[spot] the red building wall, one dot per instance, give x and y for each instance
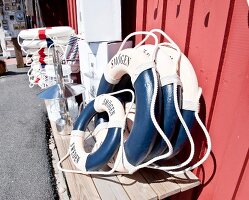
(215, 37)
(72, 14)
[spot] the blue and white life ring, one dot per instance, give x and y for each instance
(190, 98)
(141, 148)
(189, 114)
(96, 160)
(167, 70)
(139, 67)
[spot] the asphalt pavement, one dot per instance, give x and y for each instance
(25, 170)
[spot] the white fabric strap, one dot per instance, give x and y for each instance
(110, 80)
(190, 105)
(76, 149)
(78, 133)
(140, 69)
(170, 79)
(115, 124)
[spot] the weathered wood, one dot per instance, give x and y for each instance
(80, 186)
(206, 43)
(161, 183)
(137, 187)
(185, 181)
(18, 53)
(109, 188)
(144, 184)
(177, 21)
(228, 166)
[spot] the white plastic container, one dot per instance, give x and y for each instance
(99, 20)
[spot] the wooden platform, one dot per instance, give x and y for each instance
(144, 184)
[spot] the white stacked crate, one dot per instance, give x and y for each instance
(99, 23)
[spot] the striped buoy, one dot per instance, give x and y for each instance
(46, 32)
(37, 43)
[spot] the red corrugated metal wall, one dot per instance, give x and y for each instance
(215, 37)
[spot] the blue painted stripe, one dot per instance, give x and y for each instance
(181, 138)
(85, 117)
(49, 42)
(43, 65)
(169, 119)
(106, 151)
(143, 132)
(72, 40)
(108, 148)
(104, 86)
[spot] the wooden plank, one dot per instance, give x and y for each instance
(134, 186)
(80, 186)
(206, 43)
(177, 20)
(160, 182)
(154, 14)
(185, 181)
(230, 121)
(156, 11)
(109, 188)
(18, 53)
(170, 16)
(137, 187)
(141, 12)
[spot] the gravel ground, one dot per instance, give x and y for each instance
(25, 170)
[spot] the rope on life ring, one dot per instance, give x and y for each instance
(113, 141)
(141, 69)
(169, 79)
(189, 112)
(94, 161)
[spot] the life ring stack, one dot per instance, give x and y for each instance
(37, 44)
(166, 92)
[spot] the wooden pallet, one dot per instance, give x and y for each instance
(144, 184)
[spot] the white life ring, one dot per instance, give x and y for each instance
(143, 133)
(190, 97)
(96, 160)
(36, 44)
(46, 32)
(42, 60)
(168, 75)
